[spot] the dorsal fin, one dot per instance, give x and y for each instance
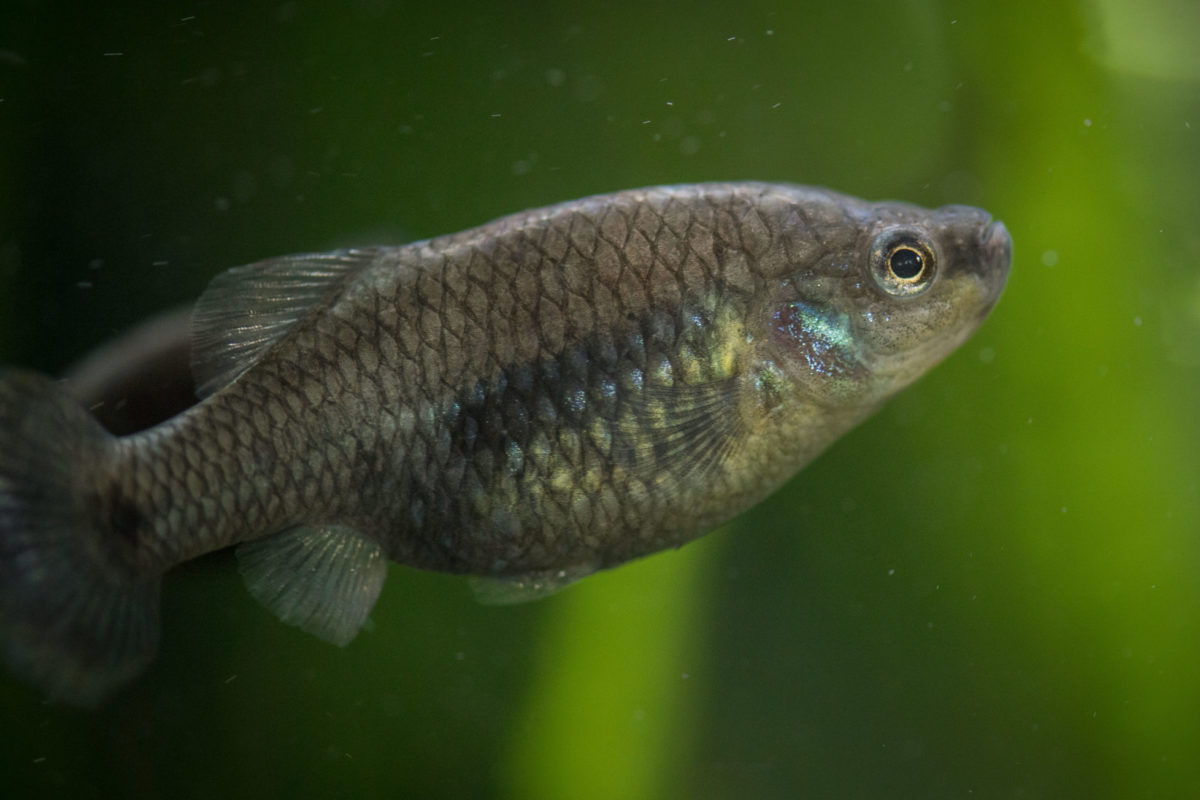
(248, 309)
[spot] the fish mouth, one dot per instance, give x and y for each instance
(996, 247)
(995, 238)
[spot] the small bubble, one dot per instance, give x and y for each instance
(1137, 322)
(1050, 257)
(1087, 123)
(556, 77)
(987, 355)
(892, 571)
(689, 145)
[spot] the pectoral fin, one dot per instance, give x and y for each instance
(685, 429)
(324, 580)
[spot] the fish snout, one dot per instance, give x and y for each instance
(996, 250)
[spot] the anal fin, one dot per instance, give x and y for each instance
(324, 580)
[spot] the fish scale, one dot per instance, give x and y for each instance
(556, 392)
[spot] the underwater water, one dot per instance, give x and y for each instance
(989, 589)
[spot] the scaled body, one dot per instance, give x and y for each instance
(550, 394)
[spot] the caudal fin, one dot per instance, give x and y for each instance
(74, 620)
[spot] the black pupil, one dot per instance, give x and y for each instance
(906, 263)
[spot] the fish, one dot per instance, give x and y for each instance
(139, 378)
(556, 392)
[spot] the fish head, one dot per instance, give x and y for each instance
(890, 290)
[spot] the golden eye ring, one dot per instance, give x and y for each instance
(903, 262)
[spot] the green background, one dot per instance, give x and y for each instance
(990, 589)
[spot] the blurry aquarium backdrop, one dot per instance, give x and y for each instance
(990, 589)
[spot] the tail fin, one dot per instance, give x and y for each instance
(73, 620)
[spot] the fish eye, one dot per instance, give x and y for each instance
(903, 262)
(906, 263)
